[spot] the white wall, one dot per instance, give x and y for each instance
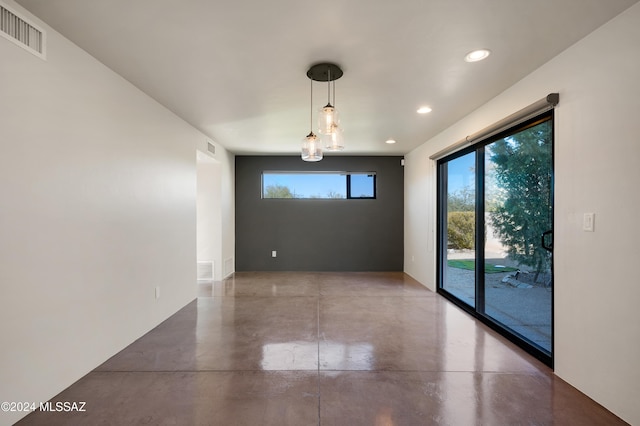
(597, 289)
(98, 207)
(217, 194)
(209, 223)
(228, 215)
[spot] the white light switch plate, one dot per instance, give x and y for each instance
(588, 221)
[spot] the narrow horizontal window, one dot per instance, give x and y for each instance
(318, 185)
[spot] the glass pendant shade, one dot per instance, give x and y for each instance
(330, 135)
(328, 119)
(311, 148)
(334, 141)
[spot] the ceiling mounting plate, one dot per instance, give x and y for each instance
(324, 71)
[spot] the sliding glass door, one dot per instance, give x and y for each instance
(459, 198)
(496, 232)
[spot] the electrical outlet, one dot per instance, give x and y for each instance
(274, 253)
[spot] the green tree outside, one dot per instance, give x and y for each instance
(461, 227)
(277, 191)
(334, 195)
(461, 215)
(462, 200)
(282, 191)
(521, 166)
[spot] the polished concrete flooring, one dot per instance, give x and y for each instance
(323, 349)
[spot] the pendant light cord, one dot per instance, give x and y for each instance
(329, 86)
(311, 108)
(334, 93)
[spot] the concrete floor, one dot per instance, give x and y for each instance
(323, 348)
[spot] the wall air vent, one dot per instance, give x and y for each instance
(205, 270)
(23, 33)
(211, 147)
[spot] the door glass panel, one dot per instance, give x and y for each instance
(458, 273)
(518, 216)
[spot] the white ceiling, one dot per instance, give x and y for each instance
(236, 69)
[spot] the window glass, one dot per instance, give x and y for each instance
(318, 185)
(362, 186)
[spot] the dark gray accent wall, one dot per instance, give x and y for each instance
(319, 235)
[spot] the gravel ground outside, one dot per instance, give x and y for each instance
(526, 309)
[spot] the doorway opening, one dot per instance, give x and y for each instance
(208, 218)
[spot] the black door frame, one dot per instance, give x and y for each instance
(479, 310)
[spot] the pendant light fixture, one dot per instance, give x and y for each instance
(311, 145)
(328, 119)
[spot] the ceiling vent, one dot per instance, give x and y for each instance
(18, 30)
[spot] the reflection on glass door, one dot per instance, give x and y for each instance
(459, 271)
(496, 232)
(518, 218)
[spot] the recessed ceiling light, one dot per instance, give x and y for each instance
(477, 55)
(389, 141)
(423, 110)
